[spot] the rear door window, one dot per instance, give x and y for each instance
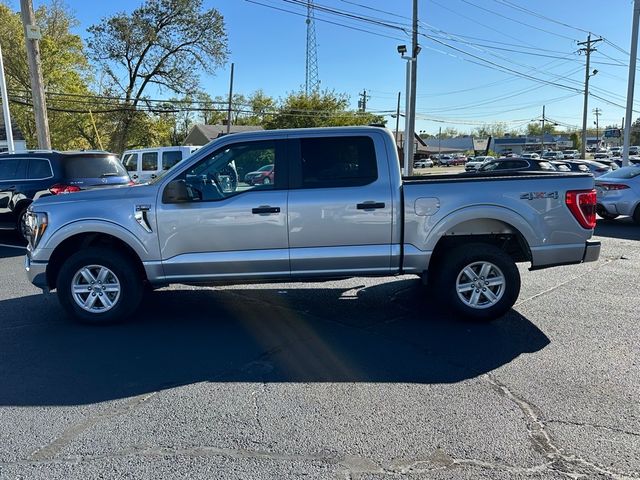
(149, 162)
(13, 169)
(170, 158)
(39, 168)
(337, 162)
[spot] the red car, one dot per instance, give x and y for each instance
(262, 176)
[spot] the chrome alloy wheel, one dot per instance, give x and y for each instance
(95, 288)
(480, 285)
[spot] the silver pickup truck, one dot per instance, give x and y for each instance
(307, 204)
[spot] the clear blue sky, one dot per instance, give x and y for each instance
(455, 89)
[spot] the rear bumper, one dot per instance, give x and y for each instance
(591, 251)
(36, 273)
(557, 255)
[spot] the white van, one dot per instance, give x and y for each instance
(144, 164)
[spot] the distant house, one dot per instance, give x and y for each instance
(19, 142)
(421, 148)
(201, 134)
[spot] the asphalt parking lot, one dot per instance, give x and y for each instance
(356, 379)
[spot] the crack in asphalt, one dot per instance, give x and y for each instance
(49, 451)
(561, 284)
(572, 466)
(596, 426)
(256, 410)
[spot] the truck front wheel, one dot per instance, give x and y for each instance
(477, 281)
(99, 285)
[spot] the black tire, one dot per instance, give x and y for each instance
(21, 224)
(602, 212)
(636, 215)
(129, 284)
(450, 272)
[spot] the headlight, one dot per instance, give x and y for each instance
(37, 223)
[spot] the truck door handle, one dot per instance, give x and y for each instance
(370, 205)
(265, 209)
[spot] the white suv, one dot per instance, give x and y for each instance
(144, 164)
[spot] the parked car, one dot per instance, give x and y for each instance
(573, 166)
(263, 176)
(423, 163)
(28, 176)
(477, 162)
(517, 164)
(616, 151)
(618, 193)
(634, 150)
(560, 165)
(598, 155)
(532, 155)
(610, 162)
(595, 168)
(552, 155)
(144, 164)
(571, 154)
(445, 160)
(339, 207)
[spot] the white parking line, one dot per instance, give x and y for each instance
(12, 246)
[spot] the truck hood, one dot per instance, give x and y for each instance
(94, 195)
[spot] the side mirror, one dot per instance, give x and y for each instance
(175, 192)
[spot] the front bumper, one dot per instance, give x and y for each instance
(36, 272)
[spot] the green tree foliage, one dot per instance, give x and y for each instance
(575, 137)
(634, 135)
(64, 67)
(319, 109)
(163, 43)
(497, 129)
(535, 128)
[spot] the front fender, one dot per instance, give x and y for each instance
(42, 253)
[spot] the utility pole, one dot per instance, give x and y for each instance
(587, 50)
(362, 103)
(542, 135)
(439, 137)
(631, 82)
(597, 112)
(230, 100)
(32, 35)
(412, 67)
(397, 120)
(5, 108)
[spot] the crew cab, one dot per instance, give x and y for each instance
(338, 207)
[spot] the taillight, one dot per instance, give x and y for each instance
(613, 186)
(131, 183)
(59, 188)
(582, 204)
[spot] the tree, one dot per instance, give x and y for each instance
(319, 109)
(575, 137)
(535, 128)
(163, 43)
(634, 134)
(497, 129)
(66, 76)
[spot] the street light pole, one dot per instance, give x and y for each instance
(631, 82)
(5, 108)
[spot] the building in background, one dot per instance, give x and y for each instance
(19, 142)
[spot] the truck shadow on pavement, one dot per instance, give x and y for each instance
(624, 228)
(384, 333)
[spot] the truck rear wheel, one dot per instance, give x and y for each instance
(477, 281)
(99, 286)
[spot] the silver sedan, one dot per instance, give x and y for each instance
(619, 193)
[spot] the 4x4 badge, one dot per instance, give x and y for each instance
(538, 195)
